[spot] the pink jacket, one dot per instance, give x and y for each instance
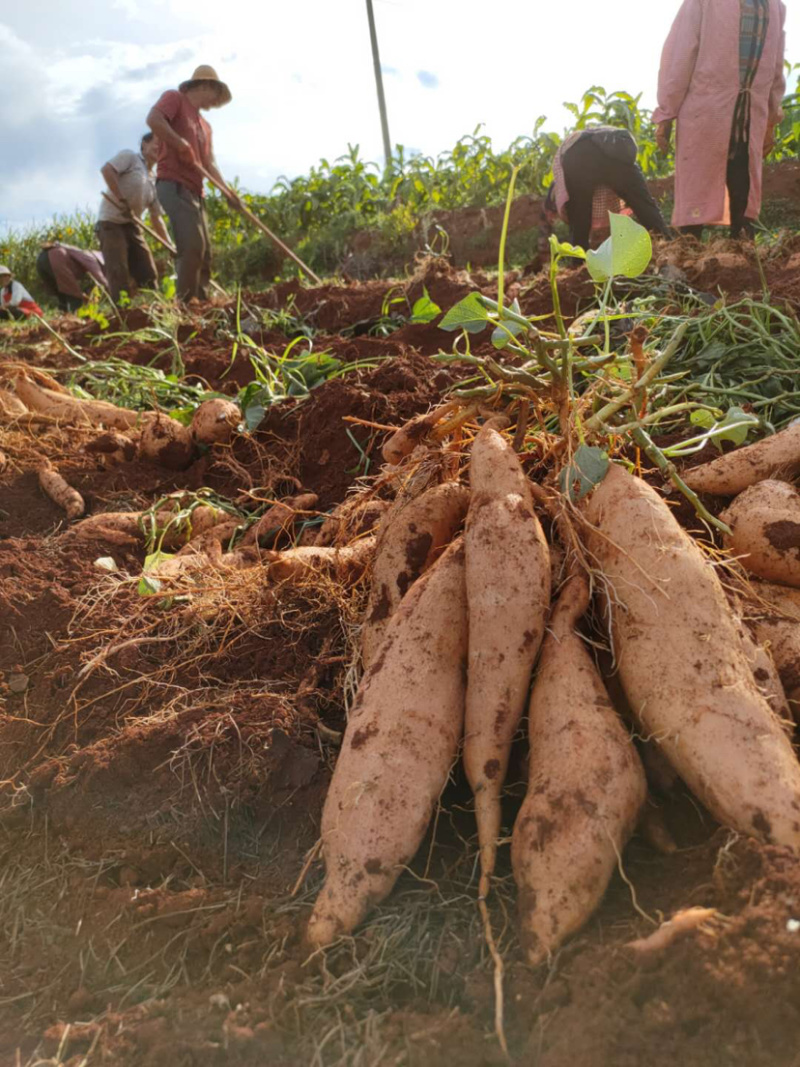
(698, 85)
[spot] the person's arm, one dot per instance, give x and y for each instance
(678, 60)
(161, 127)
(778, 90)
(231, 195)
(111, 179)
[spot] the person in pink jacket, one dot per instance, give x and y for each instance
(721, 82)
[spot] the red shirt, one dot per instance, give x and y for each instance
(189, 124)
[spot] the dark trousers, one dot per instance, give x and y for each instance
(126, 256)
(738, 182)
(45, 272)
(586, 167)
(11, 313)
(187, 219)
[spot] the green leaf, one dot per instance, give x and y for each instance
(149, 585)
(588, 468)
(559, 249)
(703, 418)
(626, 253)
(728, 430)
(424, 309)
(500, 336)
(468, 314)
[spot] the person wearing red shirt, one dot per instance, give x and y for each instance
(186, 140)
(15, 300)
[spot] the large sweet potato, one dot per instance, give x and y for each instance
(735, 471)
(70, 409)
(401, 741)
(682, 663)
(765, 525)
(508, 596)
(585, 791)
(412, 536)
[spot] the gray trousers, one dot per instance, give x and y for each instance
(126, 256)
(187, 219)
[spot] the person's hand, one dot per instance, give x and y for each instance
(769, 140)
(234, 200)
(664, 135)
(186, 153)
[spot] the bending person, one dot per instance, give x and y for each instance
(594, 172)
(64, 271)
(722, 83)
(186, 140)
(132, 189)
(15, 300)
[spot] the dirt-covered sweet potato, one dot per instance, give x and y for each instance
(61, 492)
(682, 662)
(586, 788)
(508, 595)
(215, 421)
(401, 741)
(765, 525)
(734, 472)
(412, 536)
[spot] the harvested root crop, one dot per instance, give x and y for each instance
(215, 421)
(401, 741)
(358, 515)
(11, 407)
(69, 409)
(280, 518)
(61, 492)
(765, 670)
(585, 793)
(111, 443)
(765, 525)
(166, 442)
(681, 924)
(508, 595)
(346, 565)
(412, 536)
(131, 527)
(737, 470)
(683, 666)
(403, 441)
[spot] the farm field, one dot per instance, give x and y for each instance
(168, 733)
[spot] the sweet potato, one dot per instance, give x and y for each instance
(403, 441)
(11, 407)
(128, 527)
(782, 637)
(112, 443)
(585, 792)
(359, 514)
(401, 741)
(736, 471)
(346, 565)
(765, 669)
(61, 492)
(508, 595)
(215, 421)
(166, 442)
(280, 518)
(765, 524)
(412, 535)
(70, 409)
(682, 663)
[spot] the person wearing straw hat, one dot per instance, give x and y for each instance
(131, 192)
(15, 300)
(186, 140)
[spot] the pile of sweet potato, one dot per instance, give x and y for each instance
(476, 615)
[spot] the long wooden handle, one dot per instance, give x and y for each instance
(248, 214)
(142, 225)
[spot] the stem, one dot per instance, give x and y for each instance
(60, 339)
(501, 262)
(611, 409)
(655, 455)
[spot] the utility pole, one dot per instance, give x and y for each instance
(376, 59)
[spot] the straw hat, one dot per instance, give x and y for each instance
(204, 73)
(4, 271)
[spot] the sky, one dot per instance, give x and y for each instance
(80, 77)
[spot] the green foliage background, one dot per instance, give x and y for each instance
(319, 214)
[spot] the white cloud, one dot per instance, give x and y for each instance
(82, 76)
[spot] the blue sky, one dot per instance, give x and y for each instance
(81, 76)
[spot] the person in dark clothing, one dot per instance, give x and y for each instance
(63, 270)
(595, 171)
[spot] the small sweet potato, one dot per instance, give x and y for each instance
(736, 471)
(401, 740)
(412, 536)
(280, 518)
(61, 492)
(346, 565)
(11, 407)
(585, 792)
(765, 524)
(403, 441)
(166, 442)
(215, 421)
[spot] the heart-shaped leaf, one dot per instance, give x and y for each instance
(588, 468)
(468, 314)
(626, 253)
